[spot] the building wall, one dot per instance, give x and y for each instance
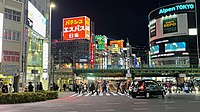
(11, 44)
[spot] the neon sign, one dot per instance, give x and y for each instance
(176, 8)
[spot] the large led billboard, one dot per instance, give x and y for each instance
(175, 46)
(76, 28)
(36, 20)
(1, 34)
(154, 49)
(170, 25)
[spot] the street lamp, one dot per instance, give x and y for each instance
(51, 5)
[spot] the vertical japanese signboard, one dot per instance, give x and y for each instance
(92, 55)
(76, 28)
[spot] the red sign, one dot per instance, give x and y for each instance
(76, 28)
(92, 55)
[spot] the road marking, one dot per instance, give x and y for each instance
(114, 93)
(120, 93)
(79, 95)
(138, 103)
(138, 109)
(107, 94)
(171, 108)
(84, 104)
(101, 94)
(169, 102)
(71, 111)
(88, 94)
(106, 110)
(73, 95)
(113, 103)
(195, 101)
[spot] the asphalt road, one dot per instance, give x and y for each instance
(110, 103)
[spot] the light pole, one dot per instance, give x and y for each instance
(51, 5)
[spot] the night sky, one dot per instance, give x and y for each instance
(117, 19)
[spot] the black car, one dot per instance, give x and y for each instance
(147, 88)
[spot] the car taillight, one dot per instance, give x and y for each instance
(142, 86)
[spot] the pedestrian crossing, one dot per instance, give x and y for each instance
(100, 94)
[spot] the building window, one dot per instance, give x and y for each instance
(12, 35)
(10, 56)
(12, 15)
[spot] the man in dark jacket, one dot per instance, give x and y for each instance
(30, 87)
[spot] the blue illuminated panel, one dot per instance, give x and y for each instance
(176, 46)
(154, 49)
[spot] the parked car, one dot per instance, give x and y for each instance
(147, 88)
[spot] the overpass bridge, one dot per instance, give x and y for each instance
(137, 72)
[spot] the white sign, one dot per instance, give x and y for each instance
(36, 20)
(1, 34)
(45, 60)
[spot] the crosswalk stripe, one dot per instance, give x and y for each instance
(79, 95)
(101, 94)
(113, 93)
(73, 95)
(107, 94)
(88, 94)
(121, 94)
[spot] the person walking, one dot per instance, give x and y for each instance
(118, 87)
(10, 90)
(104, 85)
(80, 87)
(64, 87)
(84, 88)
(30, 87)
(40, 88)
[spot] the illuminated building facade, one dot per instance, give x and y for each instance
(173, 36)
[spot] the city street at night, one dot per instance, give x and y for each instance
(111, 102)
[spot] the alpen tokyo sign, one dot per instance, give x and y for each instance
(178, 7)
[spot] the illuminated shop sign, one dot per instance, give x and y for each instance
(183, 7)
(170, 25)
(176, 46)
(152, 30)
(76, 28)
(101, 42)
(36, 20)
(176, 8)
(92, 54)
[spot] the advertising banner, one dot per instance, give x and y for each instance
(101, 42)
(76, 28)
(1, 34)
(92, 55)
(176, 46)
(170, 25)
(118, 42)
(152, 30)
(36, 20)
